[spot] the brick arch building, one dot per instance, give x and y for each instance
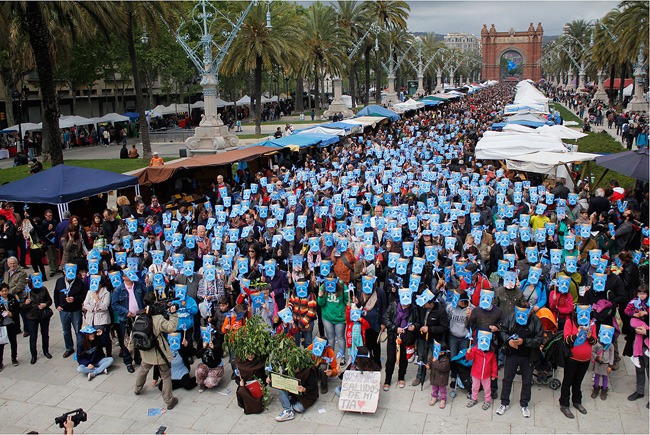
(527, 45)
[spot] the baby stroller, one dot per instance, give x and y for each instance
(463, 368)
(544, 370)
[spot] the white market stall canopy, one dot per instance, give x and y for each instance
(407, 105)
(516, 128)
(244, 101)
(110, 117)
(73, 120)
(560, 131)
(220, 103)
(511, 109)
(500, 145)
(366, 121)
(544, 162)
(528, 94)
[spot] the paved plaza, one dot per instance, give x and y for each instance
(31, 396)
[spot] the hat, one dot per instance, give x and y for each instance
(155, 153)
(88, 330)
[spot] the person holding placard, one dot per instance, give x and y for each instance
(308, 395)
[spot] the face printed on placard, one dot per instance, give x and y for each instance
(209, 273)
(407, 249)
(285, 315)
(302, 288)
(450, 243)
(534, 273)
(132, 225)
(242, 265)
(169, 234)
(208, 260)
(177, 261)
(602, 265)
(485, 300)
(93, 267)
(532, 254)
(367, 284)
(231, 249)
(402, 266)
(138, 246)
(502, 267)
(269, 268)
(594, 256)
(556, 257)
(318, 347)
(429, 253)
(414, 283)
(325, 267)
(158, 280)
(583, 313)
(606, 334)
(174, 340)
(190, 241)
(206, 334)
(126, 241)
(355, 315)
(157, 257)
(509, 280)
(521, 315)
(131, 274)
(483, 340)
(405, 296)
(116, 278)
(70, 271)
(188, 268)
(37, 280)
(180, 291)
(95, 280)
(569, 242)
(330, 285)
(425, 297)
(571, 263)
(177, 240)
(599, 282)
(329, 239)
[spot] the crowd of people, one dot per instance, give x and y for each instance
(397, 236)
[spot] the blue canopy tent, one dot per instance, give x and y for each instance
(524, 122)
(430, 103)
(62, 184)
(132, 115)
(297, 141)
(374, 110)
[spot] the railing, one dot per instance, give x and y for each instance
(171, 135)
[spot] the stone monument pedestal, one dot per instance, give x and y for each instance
(338, 106)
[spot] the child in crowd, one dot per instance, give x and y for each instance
(602, 357)
(439, 367)
(484, 369)
(637, 309)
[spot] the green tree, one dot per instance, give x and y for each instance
(354, 22)
(257, 48)
(36, 22)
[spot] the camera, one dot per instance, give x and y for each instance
(161, 307)
(77, 416)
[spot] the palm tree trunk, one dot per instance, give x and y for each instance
(300, 102)
(317, 102)
(257, 93)
(366, 99)
(612, 76)
(622, 87)
(40, 40)
(353, 72)
(139, 100)
(377, 80)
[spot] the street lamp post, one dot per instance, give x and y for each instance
(17, 97)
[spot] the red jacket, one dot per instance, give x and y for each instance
(348, 328)
(481, 283)
(485, 363)
(561, 304)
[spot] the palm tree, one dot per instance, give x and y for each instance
(389, 14)
(607, 54)
(135, 18)
(322, 41)
(354, 22)
(632, 26)
(257, 48)
(36, 22)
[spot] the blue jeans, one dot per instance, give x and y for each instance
(456, 344)
(70, 319)
(103, 365)
(290, 403)
(335, 335)
(303, 335)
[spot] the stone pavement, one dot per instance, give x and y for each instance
(31, 396)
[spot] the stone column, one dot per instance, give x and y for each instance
(569, 84)
(600, 92)
(439, 80)
(391, 95)
(211, 136)
(638, 102)
(420, 90)
(338, 106)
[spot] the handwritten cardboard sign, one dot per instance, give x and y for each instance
(285, 383)
(360, 391)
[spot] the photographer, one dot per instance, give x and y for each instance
(9, 309)
(160, 355)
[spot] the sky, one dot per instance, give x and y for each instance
(443, 17)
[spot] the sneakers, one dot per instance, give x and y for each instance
(471, 403)
(105, 371)
(635, 361)
(91, 376)
(285, 415)
(486, 405)
(525, 412)
(401, 384)
(14, 362)
(502, 409)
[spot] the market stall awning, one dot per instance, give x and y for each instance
(544, 162)
(374, 110)
(498, 146)
(62, 184)
(159, 174)
(366, 121)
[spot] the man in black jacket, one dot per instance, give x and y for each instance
(522, 334)
(434, 326)
(69, 295)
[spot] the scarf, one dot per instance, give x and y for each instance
(401, 319)
(370, 303)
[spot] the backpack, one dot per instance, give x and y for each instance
(634, 242)
(142, 333)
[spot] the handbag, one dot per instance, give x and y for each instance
(46, 313)
(4, 335)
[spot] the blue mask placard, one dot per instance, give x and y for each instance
(405, 296)
(485, 300)
(534, 274)
(325, 267)
(583, 314)
(93, 267)
(368, 284)
(116, 279)
(318, 346)
(70, 271)
(95, 281)
(521, 315)
(174, 340)
(302, 288)
(606, 335)
(483, 340)
(37, 280)
(599, 282)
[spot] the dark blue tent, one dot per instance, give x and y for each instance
(132, 115)
(374, 110)
(62, 184)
